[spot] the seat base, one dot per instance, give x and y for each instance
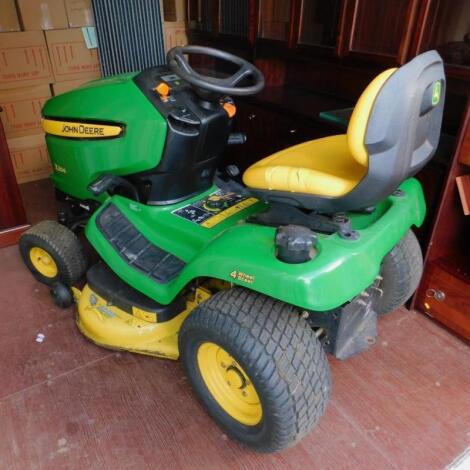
(324, 204)
(283, 214)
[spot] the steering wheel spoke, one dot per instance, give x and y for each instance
(182, 62)
(178, 63)
(239, 76)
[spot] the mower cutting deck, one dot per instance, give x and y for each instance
(249, 285)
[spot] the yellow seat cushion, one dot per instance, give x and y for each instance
(332, 166)
(323, 167)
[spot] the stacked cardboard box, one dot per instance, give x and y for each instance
(174, 23)
(42, 49)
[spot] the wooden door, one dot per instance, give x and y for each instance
(12, 215)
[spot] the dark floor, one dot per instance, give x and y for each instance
(65, 403)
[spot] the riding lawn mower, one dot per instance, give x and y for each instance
(250, 281)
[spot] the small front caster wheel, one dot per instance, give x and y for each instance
(257, 367)
(62, 295)
(53, 253)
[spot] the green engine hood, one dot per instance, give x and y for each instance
(78, 162)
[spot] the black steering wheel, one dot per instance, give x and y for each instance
(223, 86)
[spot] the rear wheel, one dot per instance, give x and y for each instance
(401, 272)
(53, 253)
(257, 367)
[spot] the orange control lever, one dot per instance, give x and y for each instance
(162, 89)
(230, 109)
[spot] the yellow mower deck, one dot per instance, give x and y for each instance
(109, 326)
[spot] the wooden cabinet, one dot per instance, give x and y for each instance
(318, 23)
(201, 14)
(274, 19)
(444, 295)
(378, 31)
(445, 26)
(444, 292)
(234, 17)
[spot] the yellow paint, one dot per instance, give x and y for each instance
(76, 293)
(144, 315)
(221, 216)
(332, 166)
(111, 327)
(229, 384)
(80, 130)
(43, 262)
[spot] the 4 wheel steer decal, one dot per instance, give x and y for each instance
(243, 277)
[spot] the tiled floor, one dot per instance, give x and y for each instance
(65, 403)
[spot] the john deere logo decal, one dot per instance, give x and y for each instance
(80, 130)
(436, 92)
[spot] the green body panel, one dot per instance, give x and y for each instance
(340, 271)
(78, 162)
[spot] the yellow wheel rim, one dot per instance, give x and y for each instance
(43, 262)
(229, 384)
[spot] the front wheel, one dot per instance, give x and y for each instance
(257, 367)
(53, 253)
(401, 272)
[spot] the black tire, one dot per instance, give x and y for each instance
(279, 353)
(62, 295)
(401, 272)
(62, 245)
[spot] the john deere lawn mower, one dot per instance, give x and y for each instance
(249, 284)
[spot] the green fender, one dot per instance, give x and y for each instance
(244, 253)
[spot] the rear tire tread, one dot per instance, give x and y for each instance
(280, 346)
(401, 270)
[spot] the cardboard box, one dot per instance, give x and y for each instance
(79, 13)
(174, 10)
(21, 109)
(69, 55)
(30, 158)
(63, 87)
(8, 16)
(24, 60)
(42, 14)
(174, 34)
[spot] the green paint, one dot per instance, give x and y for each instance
(436, 92)
(244, 253)
(118, 100)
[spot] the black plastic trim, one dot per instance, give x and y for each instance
(113, 289)
(135, 249)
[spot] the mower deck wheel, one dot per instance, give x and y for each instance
(61, 295)
(401, 272)
(53, 253)
(257, 367)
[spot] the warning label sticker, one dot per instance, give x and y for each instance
(215, 208)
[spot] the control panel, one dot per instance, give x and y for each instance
(170, 94)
